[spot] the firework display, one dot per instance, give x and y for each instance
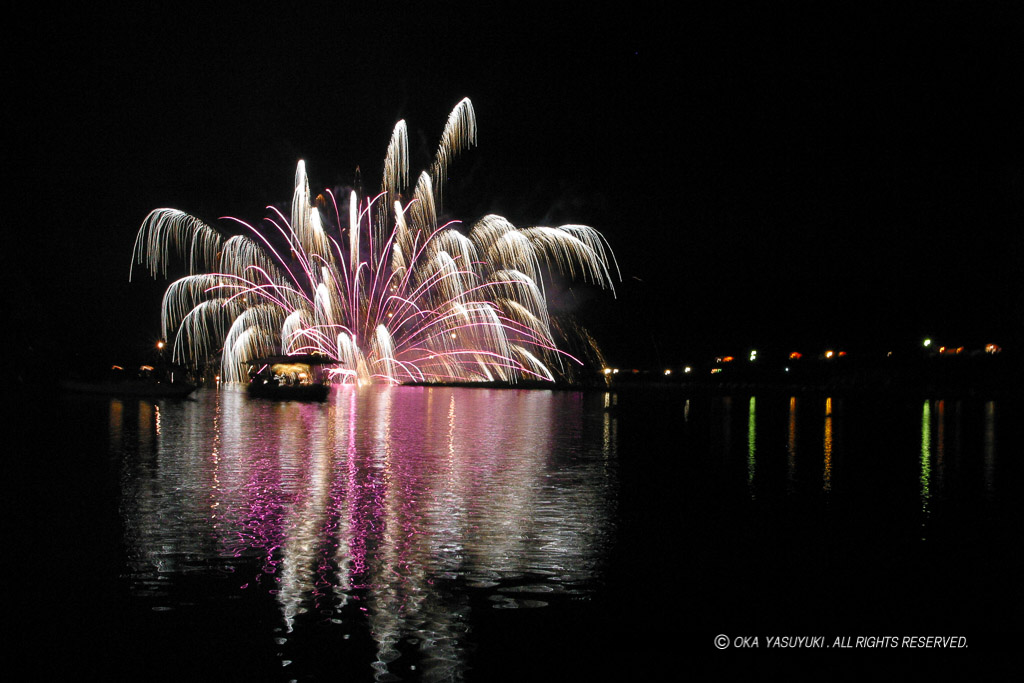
(389, 294)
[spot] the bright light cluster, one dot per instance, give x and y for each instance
(388, 293)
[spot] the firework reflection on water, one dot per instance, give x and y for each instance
(389, 513)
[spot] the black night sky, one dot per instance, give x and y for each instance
(789, 175)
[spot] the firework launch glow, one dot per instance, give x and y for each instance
(397, 299)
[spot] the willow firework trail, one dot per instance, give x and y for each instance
(388, 293)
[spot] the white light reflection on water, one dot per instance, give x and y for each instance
(610, 425)
(382, 510)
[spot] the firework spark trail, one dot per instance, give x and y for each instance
(421, 303)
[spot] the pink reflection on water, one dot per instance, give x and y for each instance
(381, 498)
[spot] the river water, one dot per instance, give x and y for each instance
(416, 533)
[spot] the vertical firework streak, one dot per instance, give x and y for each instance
(422, 302)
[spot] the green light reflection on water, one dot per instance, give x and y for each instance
(751, 442)
(926, 462)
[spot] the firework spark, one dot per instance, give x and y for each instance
(398, 298)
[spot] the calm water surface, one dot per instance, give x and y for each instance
(417, 533)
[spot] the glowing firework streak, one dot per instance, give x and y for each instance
(419, 303)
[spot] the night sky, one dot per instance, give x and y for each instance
(768, 174)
